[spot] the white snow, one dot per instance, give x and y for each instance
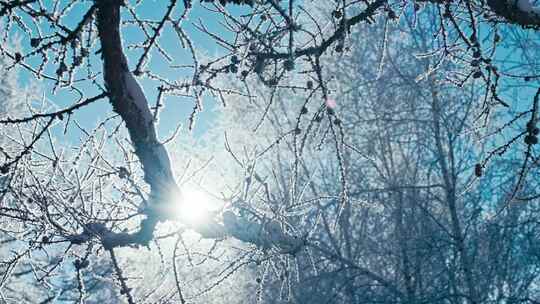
(135, 91)
(264, 235)
(3, 181)
(244, 230)
(163, 157)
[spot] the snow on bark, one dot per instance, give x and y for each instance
(162, 156)
(136, 93)
(128, 100)
(264, 235)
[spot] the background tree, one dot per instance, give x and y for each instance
(421, 211)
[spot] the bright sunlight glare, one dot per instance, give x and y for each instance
(194, 207)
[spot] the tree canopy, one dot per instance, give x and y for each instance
(354, 151)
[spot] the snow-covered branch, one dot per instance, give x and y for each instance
(129, 101)
(265, 235)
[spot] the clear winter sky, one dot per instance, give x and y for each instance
(177, 109)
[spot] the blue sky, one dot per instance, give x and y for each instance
(177, 109)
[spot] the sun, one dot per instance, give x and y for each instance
(194, 207)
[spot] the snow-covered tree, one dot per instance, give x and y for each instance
(362, 135)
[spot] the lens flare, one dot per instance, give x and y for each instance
(194, 207)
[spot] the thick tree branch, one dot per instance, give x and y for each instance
(129, 101)
(340, 31)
